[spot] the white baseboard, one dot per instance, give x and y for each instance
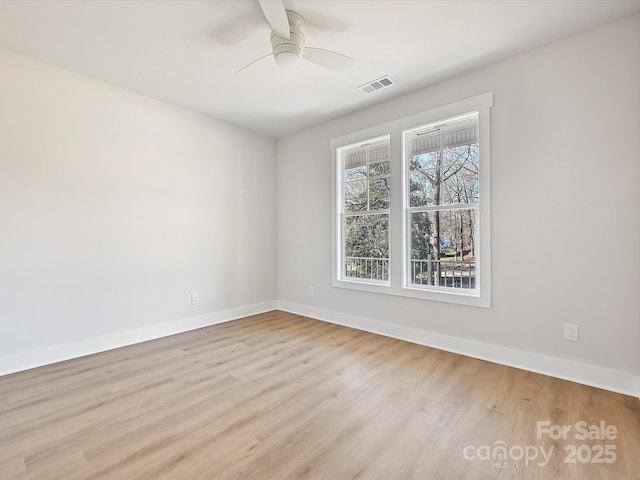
(66, 351)
(592, 375)
(587, 374)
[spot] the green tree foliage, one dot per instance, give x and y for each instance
(367, 236)
(443, 177)
(421, 234)
(367, 190)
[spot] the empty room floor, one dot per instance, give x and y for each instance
(278, 396)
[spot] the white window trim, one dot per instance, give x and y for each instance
(397, 256)
(343, 215)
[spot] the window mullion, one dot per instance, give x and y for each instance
(367, 212)
(452, 206)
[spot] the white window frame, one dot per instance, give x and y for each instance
(443, 207)
(398, 255)
(343, 214)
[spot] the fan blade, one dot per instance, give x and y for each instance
(328, 58)
(255, 65)
(276, 16)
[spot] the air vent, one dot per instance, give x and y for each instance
(376, 85)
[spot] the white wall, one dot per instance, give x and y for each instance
(114, 208)
(565, 141)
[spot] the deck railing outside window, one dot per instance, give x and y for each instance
(445, 272)
(370, 268)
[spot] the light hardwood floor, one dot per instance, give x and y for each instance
(278, 396)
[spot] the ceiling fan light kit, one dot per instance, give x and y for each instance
(287, 44)
(288, 51)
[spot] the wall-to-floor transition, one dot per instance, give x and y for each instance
(114, 208)
(565, 176)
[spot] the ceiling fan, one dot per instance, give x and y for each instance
(287, 42)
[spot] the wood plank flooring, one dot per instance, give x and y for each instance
(280, 396)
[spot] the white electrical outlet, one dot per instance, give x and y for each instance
(571, 332)
(310, 291)
(195, 298)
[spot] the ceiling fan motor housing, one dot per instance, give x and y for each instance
(287, 52)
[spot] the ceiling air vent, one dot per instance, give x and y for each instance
(376, 84)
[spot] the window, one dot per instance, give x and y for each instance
(364, 210)
(411, 206)
(442, 167)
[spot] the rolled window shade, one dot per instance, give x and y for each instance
(463, 132)
(379, 153)
(357, 157)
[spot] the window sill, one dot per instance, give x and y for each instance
(472, 298)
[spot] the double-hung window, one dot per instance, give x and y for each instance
(411, 206)
(364, 212)
(442, 168)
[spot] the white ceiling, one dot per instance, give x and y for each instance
(187, 52)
